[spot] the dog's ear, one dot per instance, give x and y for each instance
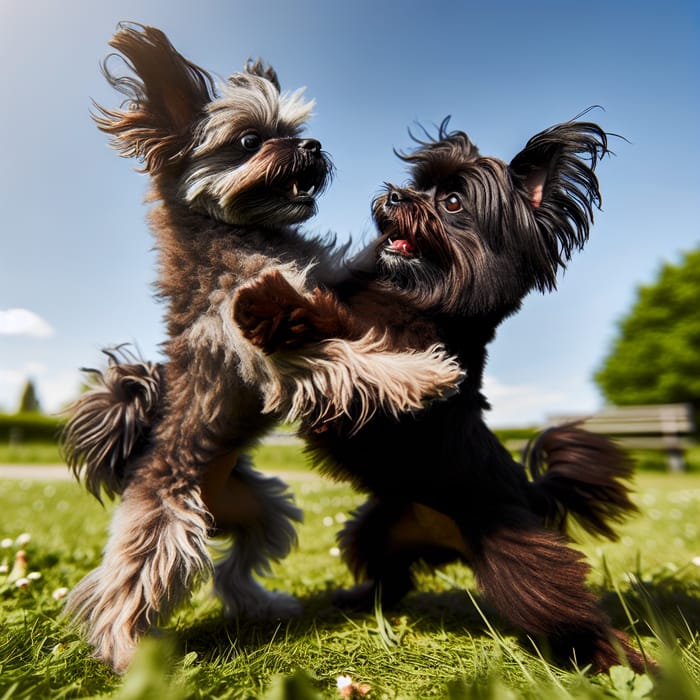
(556, 171)
(165, 98)
(260, 68)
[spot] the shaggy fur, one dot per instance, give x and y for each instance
(459, 249)
(231, 177)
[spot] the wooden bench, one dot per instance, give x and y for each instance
(667, 428)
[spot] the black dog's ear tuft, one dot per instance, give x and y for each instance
(556, 170)
(260, 68)
(438, 158)
(165, 97)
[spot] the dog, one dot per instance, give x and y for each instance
(458, 250)
(231, 178)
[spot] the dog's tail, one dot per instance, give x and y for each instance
(109, 424)
(581, 475)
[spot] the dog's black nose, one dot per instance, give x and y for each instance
(310, 145)
(394, 197)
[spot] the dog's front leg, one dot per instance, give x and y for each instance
(273, 315)
(155, 554)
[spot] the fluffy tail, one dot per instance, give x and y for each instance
(109, 424)
(582, 475)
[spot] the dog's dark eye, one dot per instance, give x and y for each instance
(452, 203)
(251, 142)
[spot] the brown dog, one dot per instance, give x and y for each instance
(231, 178)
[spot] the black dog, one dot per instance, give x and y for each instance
(459, 249)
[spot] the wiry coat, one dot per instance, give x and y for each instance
(459, 249)
(231, 178)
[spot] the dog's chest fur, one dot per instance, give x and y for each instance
(202, 264)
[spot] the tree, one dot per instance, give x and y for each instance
(29, 403)
(655, 357)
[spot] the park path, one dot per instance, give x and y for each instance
(36, 472)
(60, 472)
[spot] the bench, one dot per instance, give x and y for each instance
(667, 428)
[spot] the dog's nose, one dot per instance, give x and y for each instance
(394, 197)
(310, 145)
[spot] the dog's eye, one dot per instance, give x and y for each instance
(251, 142)
(452, 203)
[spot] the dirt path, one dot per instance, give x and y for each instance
(60, 472)
(37, 472)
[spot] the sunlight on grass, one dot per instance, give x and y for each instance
(440, 642)
(30, 453)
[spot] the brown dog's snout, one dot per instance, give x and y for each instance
(310, 145)
(395, 197)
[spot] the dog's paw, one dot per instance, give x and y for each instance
(279, 606)
(272, 315)
(272, 321)
(258, 317)
(266, 605)
(359, 598)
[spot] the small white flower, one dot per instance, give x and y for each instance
(4, 568)
(7, 543)
(343, 682)
(340, 518)
(349, 689)
(334, 552)
(34, 575)
(696, 561)
(59, 593)
(23, 539)
(22, 582)
(328, 521)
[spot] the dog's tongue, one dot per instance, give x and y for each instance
(402, 246)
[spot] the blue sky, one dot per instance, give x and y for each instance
(76, 259)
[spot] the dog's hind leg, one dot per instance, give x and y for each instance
(535, 581)
(155, 554)
(365, 545)
(263, 531)
(383, 539)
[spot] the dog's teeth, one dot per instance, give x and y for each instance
(311, 190)
(295, 189)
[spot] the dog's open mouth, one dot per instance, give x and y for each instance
(400, 244)
(304, 186)
(400, 247)
(298, 191)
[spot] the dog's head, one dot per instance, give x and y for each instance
(472, 234)
(233, 151)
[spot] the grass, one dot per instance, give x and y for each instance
(436, 644)
(30, 453)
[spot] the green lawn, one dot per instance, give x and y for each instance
(30, 453)
(436, 644)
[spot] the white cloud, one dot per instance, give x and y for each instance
(531, 405)
(23, 322)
